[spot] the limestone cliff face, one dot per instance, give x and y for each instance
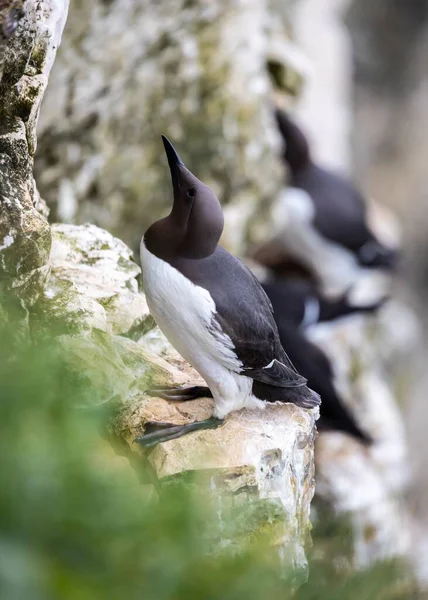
(125, 74)
(26, 57)
(129, 71)
(198, 72)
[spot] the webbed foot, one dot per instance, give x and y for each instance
(157, 432)
(180, 394)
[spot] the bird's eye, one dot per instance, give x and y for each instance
(191, 192)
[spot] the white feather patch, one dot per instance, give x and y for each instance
(336, 267)
(270, 365)
(312, 312)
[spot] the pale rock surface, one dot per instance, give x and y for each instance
(102, 268)
(324, 106)
(360, 377)
(367, 484)
(370, 485)
(350, 480)
(264, 457)
(91, 297)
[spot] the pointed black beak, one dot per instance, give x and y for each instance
(174, 161)
(374, 255)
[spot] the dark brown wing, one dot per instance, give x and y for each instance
(245, 314)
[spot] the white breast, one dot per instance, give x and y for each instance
(184, 312)
(336, 267)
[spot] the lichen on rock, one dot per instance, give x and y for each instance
(100, 267)
(24, 232)
(91, 297)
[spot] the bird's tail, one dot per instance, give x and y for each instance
(375, 255)
(336, 415)
(302, 396)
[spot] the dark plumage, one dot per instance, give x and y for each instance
(188, 240)
(340, 211)
(212, 308)
(244, 313)
(303, 305)
(288, 300)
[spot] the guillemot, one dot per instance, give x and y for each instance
(322, 220)
(213, 310)
(297, 306)
(340, 210)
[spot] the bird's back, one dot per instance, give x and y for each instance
(243, 312)
(340, 213)
(242, 306)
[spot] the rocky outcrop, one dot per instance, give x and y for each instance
(26, 60)
(259, 464)
(90, 263)
(258, 467)
(92, 295)
(369, 486)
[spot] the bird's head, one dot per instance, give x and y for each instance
(296, 146)
(195, 224)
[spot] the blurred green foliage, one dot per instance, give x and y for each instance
(76, 523)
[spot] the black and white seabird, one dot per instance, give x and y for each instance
(339, 209)
(322, 224)
(213, 310)
(296, 307)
